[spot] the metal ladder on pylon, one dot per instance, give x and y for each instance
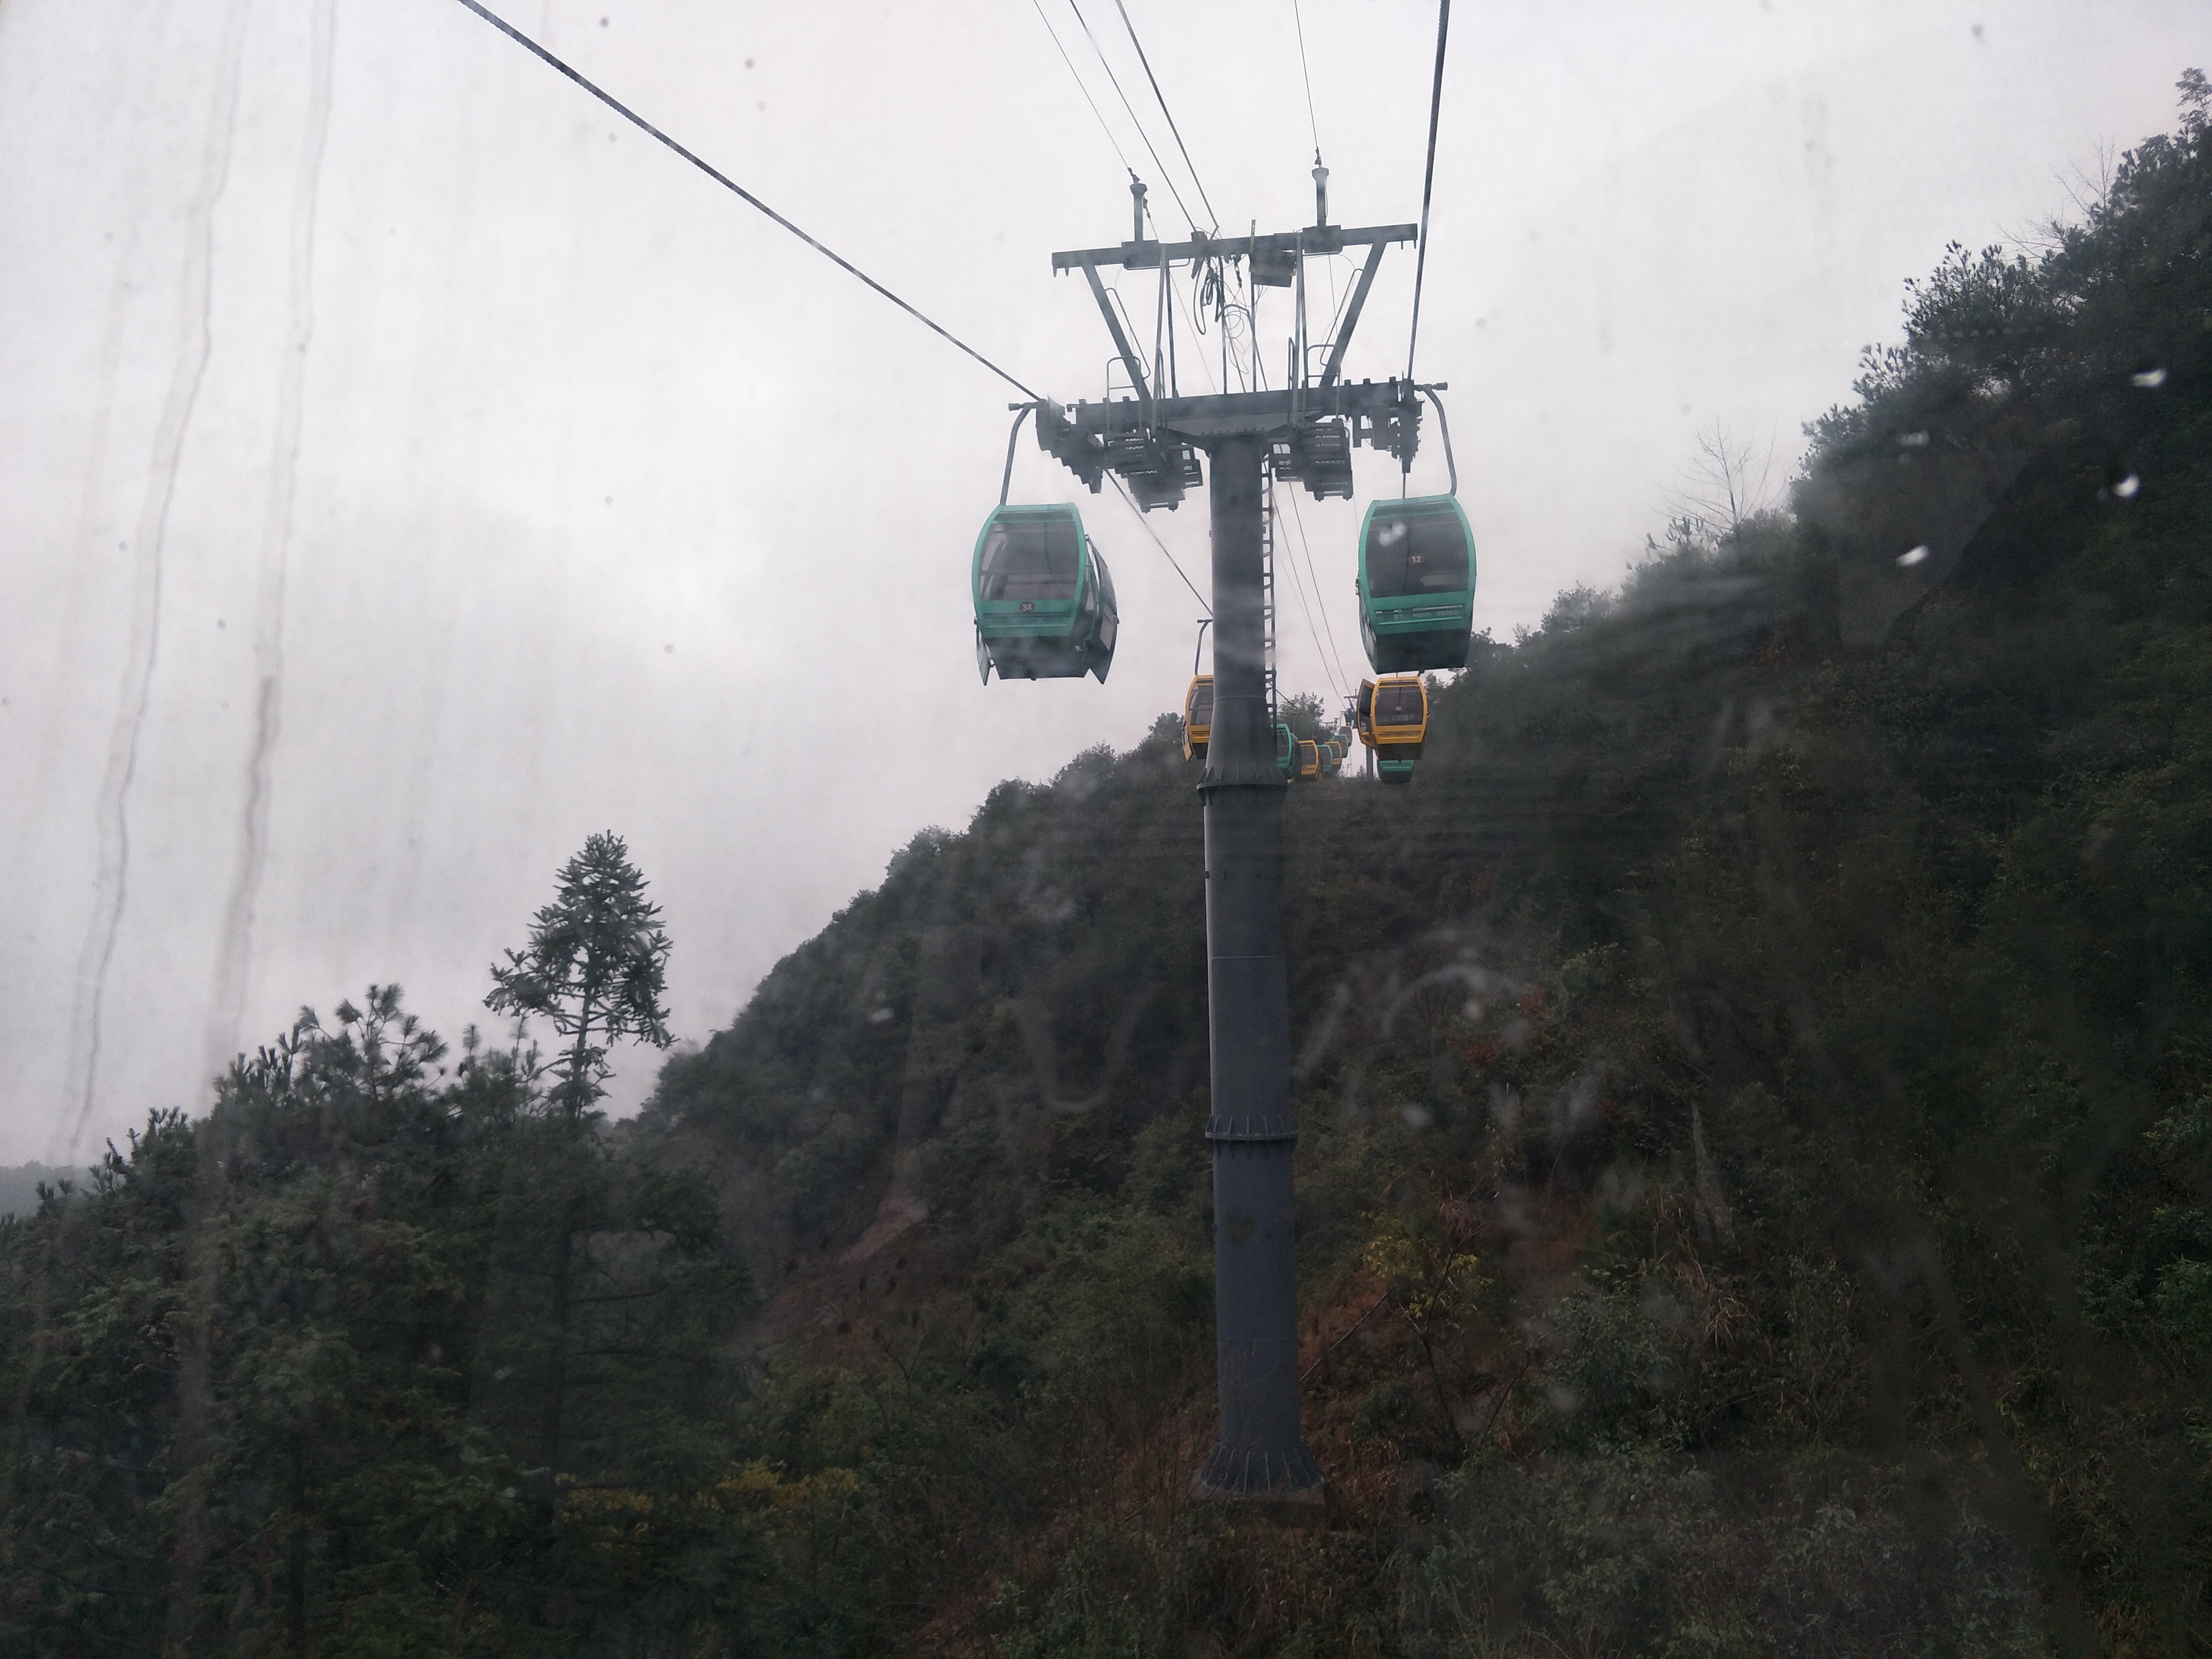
(1267, 599)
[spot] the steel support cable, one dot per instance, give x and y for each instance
(1428, 179)
(1312, 123)
(1169, 113)
(1122, 489)
(1115, 81)
(1083, 90)
(739, 190)
(1197, 326)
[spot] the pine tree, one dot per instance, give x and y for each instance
(595, 967)
(596, 964)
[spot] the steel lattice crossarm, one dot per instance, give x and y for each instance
(1149, 438)
(1310, 431)
(1274, 249)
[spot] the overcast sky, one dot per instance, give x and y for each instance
(406, 469)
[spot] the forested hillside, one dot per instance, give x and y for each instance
(19, 1186)
(1755, 1194)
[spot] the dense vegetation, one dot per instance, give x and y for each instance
(1755, 1195)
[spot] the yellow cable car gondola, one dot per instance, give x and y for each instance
(1197, 717)
(1393, 715)
(1308, 763)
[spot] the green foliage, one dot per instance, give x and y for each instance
(1640, 1554)
(265, 1372)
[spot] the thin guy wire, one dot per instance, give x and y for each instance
(1169, 113)
(1167, 177)
(1123, 491)
(1083, 90)
(1190, 314)
(1310, 122)
(1335, 683)
(1428, 180)
(1305, 542)
(1335, 676)
(740, 192)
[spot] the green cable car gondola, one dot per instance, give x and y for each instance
(1286, 753)
(1044, 599)
(1393, 721)
(1416, 584)
(1197, 717)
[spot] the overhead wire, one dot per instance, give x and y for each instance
(1115, 81)
(1083, 90)
(739, 190)
(1298, 582)
(1339, 679)
(1122, 489)
(1162, 98)
(1191, 312)
(1305, 543)
(1428, 180)
(751, 200)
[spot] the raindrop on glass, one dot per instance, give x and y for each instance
(1417, 1117)
(1913, 440)
(2149, 377)
(2126, 489)
(1911, 556)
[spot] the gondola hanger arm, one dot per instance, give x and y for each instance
(1443, 426)
(1006, 478)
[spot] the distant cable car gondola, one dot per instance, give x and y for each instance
(1308, 763)
(1393, 721)
(1416, 584)
(1197, 717)
(1044, 599)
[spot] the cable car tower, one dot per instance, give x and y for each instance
(1045, 608)
(1302, 434)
